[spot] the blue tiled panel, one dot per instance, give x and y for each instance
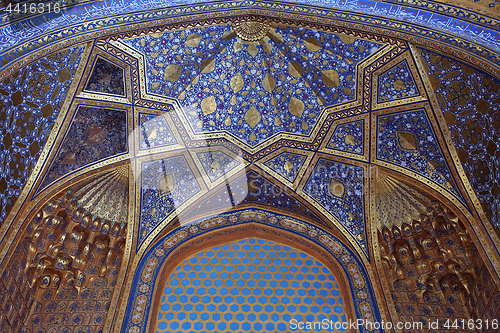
(30, 101)
(348, 137)
(280, 86)
(396, 83)
(252, 285)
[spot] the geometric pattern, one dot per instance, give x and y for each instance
(95, 134)
(469, 100)
(106, 78)
(348, 137)
(216, 164)
(396, 83)
(287, 165)
(30, 101)
(251, 285)
(408, 140)
(248, 89)
(155, 132)
(166, 185)
(339, 189)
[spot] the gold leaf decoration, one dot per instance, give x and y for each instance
(269, 83)
(295, 69)
(407, 141)
(288, 166)
(207, 66)
(208, 105)
(252, 117)
(312, 44)
(347, 38)
(252, 49)
(172, 73)
(349, 139)
(336, 188)
(330, 78)
(296, 107)
(237, 82)
(192, 40)
(399, 85)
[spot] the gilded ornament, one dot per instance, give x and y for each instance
(172, 73)
(250, 31)
(330, 78)
(296, 107)
(236, 83)
(208, 105)
(407, 141)
(166, 184)
(268, 83)
(252, 117)
(207, 66)
(295, 69)
(192, 40)
(336, 188)
(312, 44)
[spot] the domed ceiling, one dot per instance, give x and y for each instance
(254, 113)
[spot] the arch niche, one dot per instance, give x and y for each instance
(169, 252)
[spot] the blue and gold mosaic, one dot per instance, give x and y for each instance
(155, 132)
(470, 102)
(339, 189)
(287, 165)
(348, 137)
(408, 140)
(30, 101)
(253, 89)
(396, 83)
(106, 78)
(251, 285)
(217, 164)
(166, 185)
(95, 134)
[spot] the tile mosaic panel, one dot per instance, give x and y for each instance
(396, 83)
(287, 165)
(106, 78)
(348, 137)
(470, 102)
(265, 193)
(251, 285)
(339, 189)
(408, 140)
(155, 132)
(252, 89)
(30, 101)
(253, 189)
(95, 134)
(217, 164)
(166, 185)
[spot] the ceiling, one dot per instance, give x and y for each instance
(251, 113)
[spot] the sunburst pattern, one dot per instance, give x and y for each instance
(397, 202)
(106, 195)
